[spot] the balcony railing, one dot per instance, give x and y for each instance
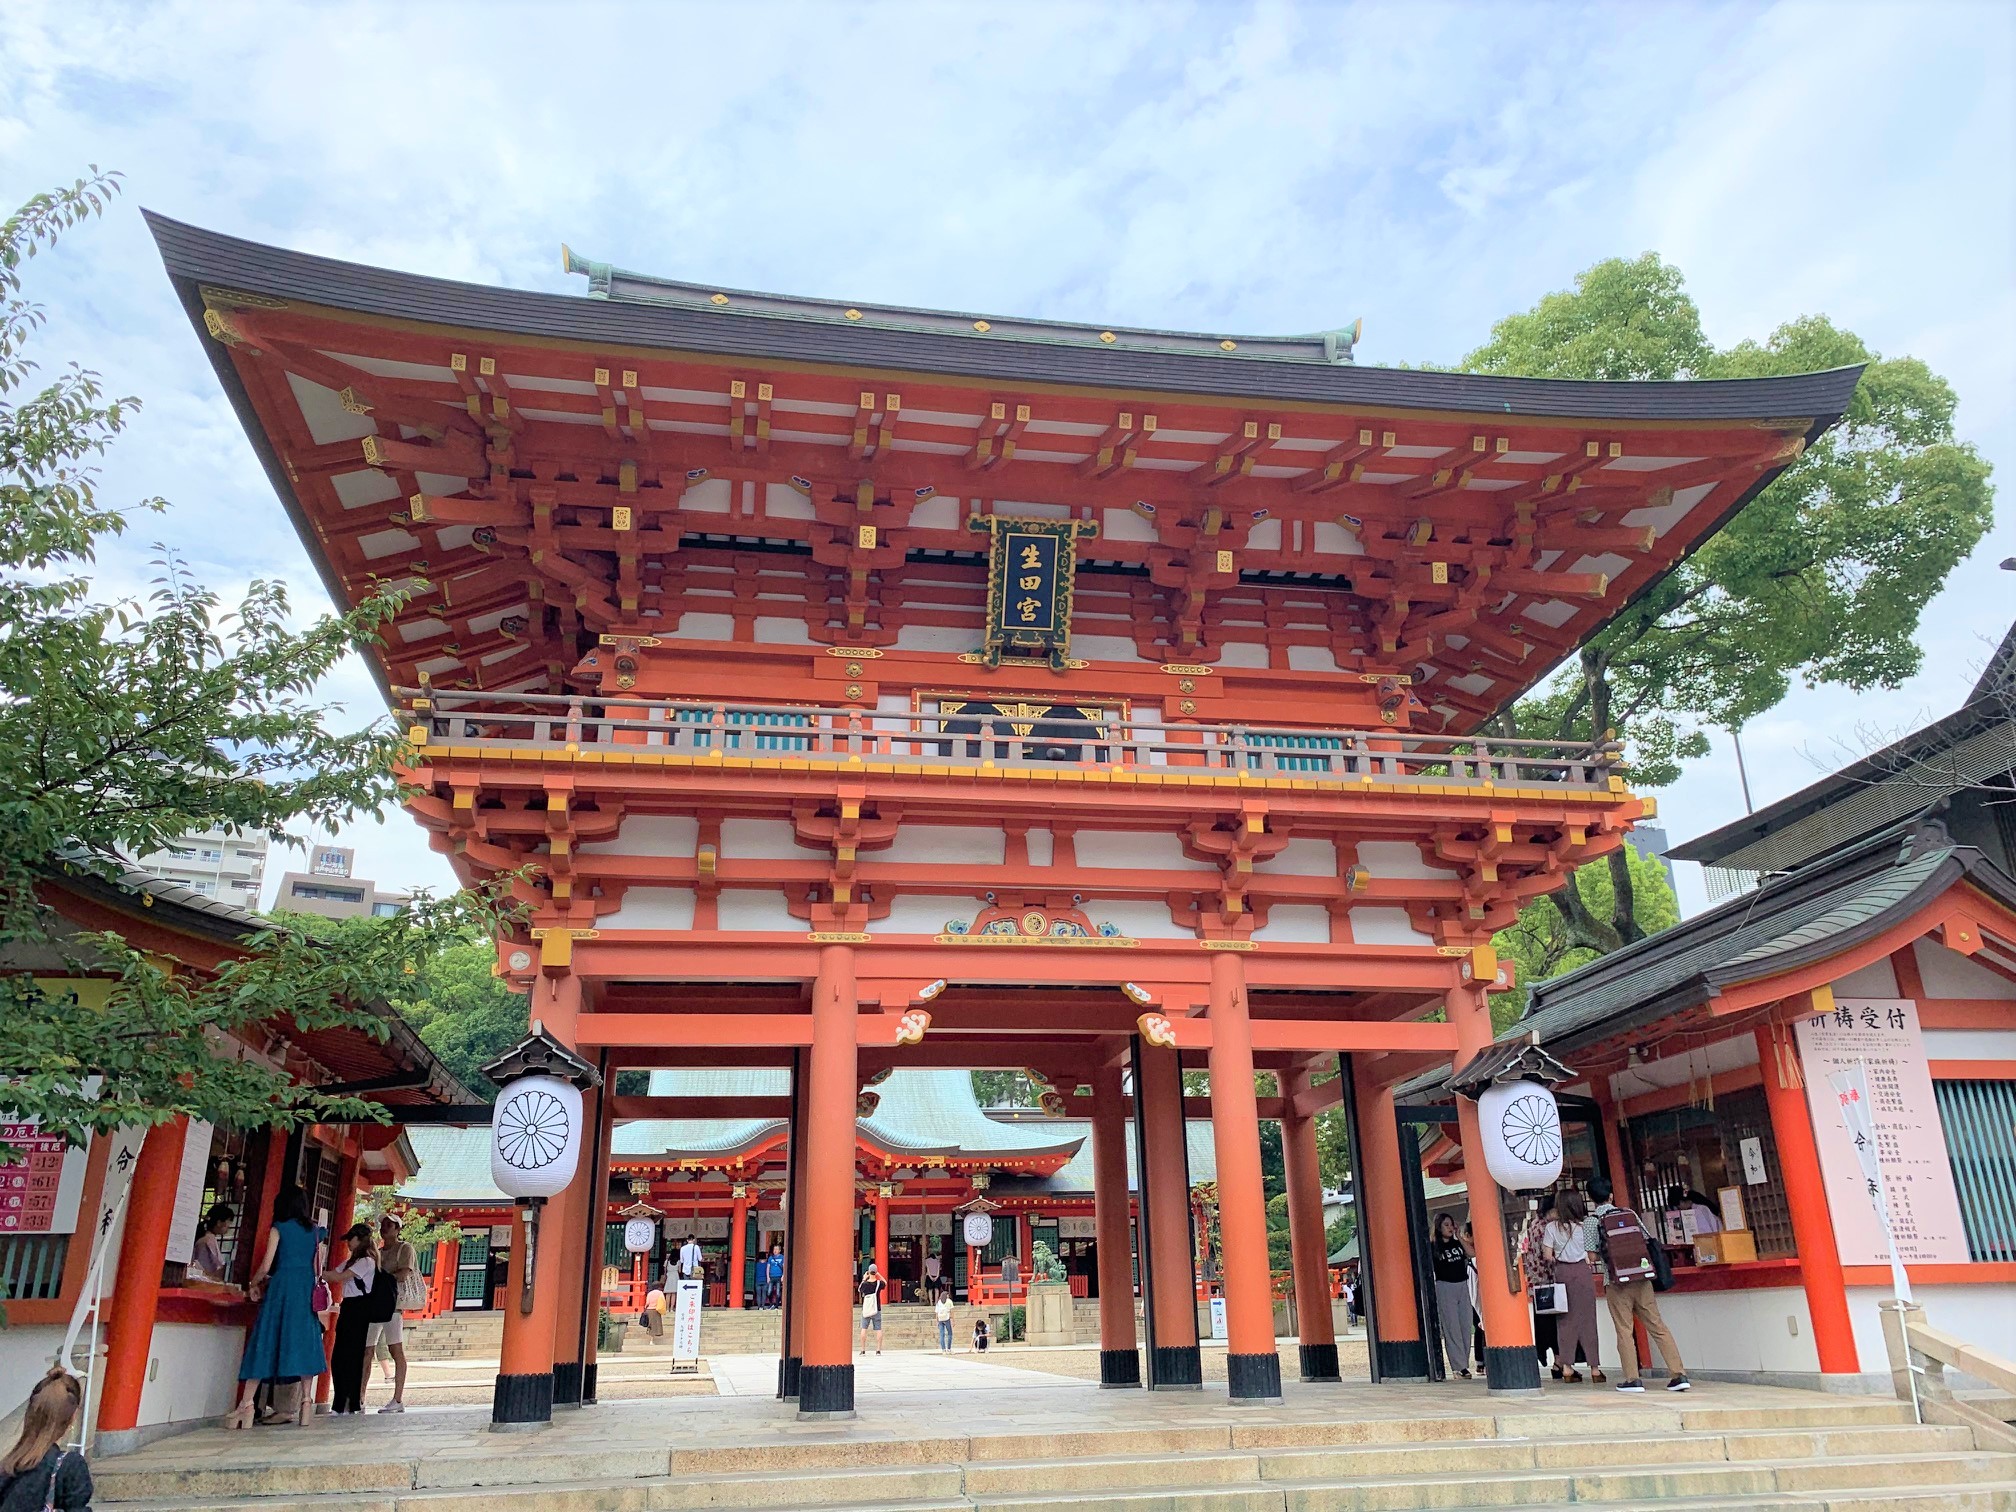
(1049, 737)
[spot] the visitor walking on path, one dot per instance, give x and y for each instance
(386, 1338)
(38, 1474)
(1451, 1253)
(353, 1279)
(872, 1289)
(942, 1310)
(1565, 1244)
(285, 1344)
(1625, 1248)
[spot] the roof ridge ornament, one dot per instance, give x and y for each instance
(539, 1054)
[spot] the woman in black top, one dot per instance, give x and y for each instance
(37, 1472)
(1451, 1254)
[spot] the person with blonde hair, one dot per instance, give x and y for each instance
(38, 1474)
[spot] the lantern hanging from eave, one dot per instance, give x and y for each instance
(979, 1230)
(535, 1130)
(1520, 1125)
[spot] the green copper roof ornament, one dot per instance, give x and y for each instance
(600, 275)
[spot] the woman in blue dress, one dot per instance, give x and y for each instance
(286, 1342)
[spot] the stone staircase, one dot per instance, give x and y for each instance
(1826, 1456)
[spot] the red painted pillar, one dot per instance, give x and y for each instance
(1308, 1246)
(1382, 1235)
(826, 1379)
(1175, 1363)
(1509, 1361)
(136, 1284)
(1119, 1358)
(738, 1245)
(1252, 1363)
(441, 1295)
(1806, 1197)
(563, 1237)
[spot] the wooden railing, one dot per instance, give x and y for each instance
(1049, 737)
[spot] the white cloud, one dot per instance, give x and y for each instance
(1207, 166)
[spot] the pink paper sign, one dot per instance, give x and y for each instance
(1882, 1033)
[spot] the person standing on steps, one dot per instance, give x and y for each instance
(1451, 1253)
(942, 1310)
(1620, 1237)
(285, 1344)
(353, 1279)
(872, 1288)
(1565, 1244)
(933, 1275)
(692, 1264)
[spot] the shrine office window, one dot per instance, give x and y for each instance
(1979, 1121)
(1700, 1149)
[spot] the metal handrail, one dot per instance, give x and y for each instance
(909, 737)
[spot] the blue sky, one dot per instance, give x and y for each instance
(1220, 166)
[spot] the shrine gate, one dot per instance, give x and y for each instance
(855, 688)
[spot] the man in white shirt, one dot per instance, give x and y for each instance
(691, 1262)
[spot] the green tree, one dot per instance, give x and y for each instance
(125, 723)
(417, 1226)
(1541, 945)
(463, 1012)
(1821, 578)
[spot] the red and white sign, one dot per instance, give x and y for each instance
(39, 1192)
(1909, 1146)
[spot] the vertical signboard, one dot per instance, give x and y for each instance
(189, 1184)
(686, 1324)
(39, 1190)
(1884, 1035)
(1031, 566)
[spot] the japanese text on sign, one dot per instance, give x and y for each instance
(1030, 602)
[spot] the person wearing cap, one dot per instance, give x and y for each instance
(387, 1341)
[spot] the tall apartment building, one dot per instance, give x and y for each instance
(329, 889)
(226, 865)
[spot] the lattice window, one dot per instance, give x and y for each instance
(1979, 1120)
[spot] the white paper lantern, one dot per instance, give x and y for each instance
(1521, 1127)
(639, 1234)
(535, 1137)
(979, 1230)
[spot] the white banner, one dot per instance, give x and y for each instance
(686, 1322)
(189, 1184)
(1883, 1034)
(1851, 1096)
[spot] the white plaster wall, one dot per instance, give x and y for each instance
(1108, 850)
(192, 1372)
(1386, 926)
(1970, 1044)
(945, 845)
(925, 914)
(650, 835)
(711, 496)
(1303, 858)
(1042, 846)
(1334, 540)
(24, 1354)
(1112, 648)
(1982, 1313)
(783, 502)
(1242, 654)
(1137, 918)
(937, 513)
(1125, 525)
(1266, 536)
(1296, 923)
(1947, 973)
(694, 625)
(1877, 979)
(1311, 659)
(652, 908)
(1396, 858)
(938, 638)
(764, 840)
(774, 630)
(752, 909)
(1763, 1329)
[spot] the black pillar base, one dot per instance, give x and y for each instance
(588, 1385)
(1515, 1368)
(825, 1391)
(567, 1384)
(1254, 1378)
(1403, 1360)
(1119, 1367)
(1318, 1361)
(788, 1370)
(522, 1401)
(1177, 1367)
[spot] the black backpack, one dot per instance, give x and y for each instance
(383, 1299)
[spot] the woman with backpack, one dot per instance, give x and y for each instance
(38, 1474)
(285, 1344)
(353, 1280)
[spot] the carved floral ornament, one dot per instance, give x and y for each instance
(1000, 924)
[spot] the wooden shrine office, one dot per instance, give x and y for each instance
(860, 688)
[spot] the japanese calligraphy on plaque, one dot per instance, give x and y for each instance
(1883, 1034)
(1031, 565)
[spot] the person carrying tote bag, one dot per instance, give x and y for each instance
(1565, 1244)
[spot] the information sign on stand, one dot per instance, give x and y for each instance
(1218, 1330)
(686, 1328)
